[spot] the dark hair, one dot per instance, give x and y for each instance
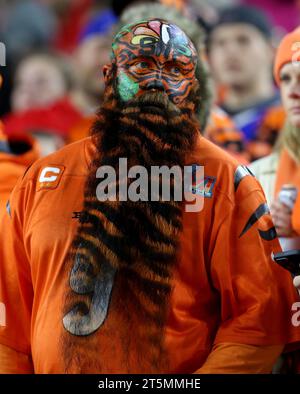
(118, 6)
(245, 14)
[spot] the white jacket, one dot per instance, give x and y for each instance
(265, 170)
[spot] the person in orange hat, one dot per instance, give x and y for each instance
(281, 169)
(80, 273)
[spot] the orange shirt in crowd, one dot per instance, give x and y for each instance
(12, 166)
(268, 133)
(222, 131)
(226, 287)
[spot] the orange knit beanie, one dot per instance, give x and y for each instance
(287, 52)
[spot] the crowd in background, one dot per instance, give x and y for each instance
(55, 51)
(52, 82)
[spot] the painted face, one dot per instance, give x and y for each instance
(154, 55)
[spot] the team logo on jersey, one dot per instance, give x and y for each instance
(201, 185)
(205, 187)
(49, 177)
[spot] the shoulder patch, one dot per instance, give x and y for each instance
(49, 177)
(205, 187)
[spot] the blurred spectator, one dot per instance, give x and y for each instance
(40, 101)
(72, 15)
(241, 57)
(50, 125)
(16, 154)
(26, 25)
(283, 166)
(92, 53)
(40, 80)
(281, 169)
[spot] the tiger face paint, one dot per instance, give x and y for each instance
(154, 55)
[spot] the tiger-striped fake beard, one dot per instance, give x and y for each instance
(124, 253)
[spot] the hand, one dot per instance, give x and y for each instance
(282, 218)
(296, 282)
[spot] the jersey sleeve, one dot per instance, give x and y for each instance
(236, 358)
(13, 362)
(256, 295)
(16, 292)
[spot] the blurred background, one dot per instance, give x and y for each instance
(51, 70)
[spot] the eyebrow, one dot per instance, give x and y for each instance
(284, 73)
(174, 60)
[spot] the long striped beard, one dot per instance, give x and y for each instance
(124, 254)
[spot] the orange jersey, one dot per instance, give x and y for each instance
(12, 166)
(222, 131)
(226, 287)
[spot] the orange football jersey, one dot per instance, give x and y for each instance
(226, 287)
(12, 166)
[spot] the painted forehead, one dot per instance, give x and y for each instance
(153, 38)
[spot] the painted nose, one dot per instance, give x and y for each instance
(156, 85)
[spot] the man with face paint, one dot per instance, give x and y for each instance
(92, 286)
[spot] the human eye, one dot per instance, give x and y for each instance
(143, 65)
(140, 66)
(284, 77)
(173, 69)
(218, 43)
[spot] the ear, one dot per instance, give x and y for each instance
(107, 69)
